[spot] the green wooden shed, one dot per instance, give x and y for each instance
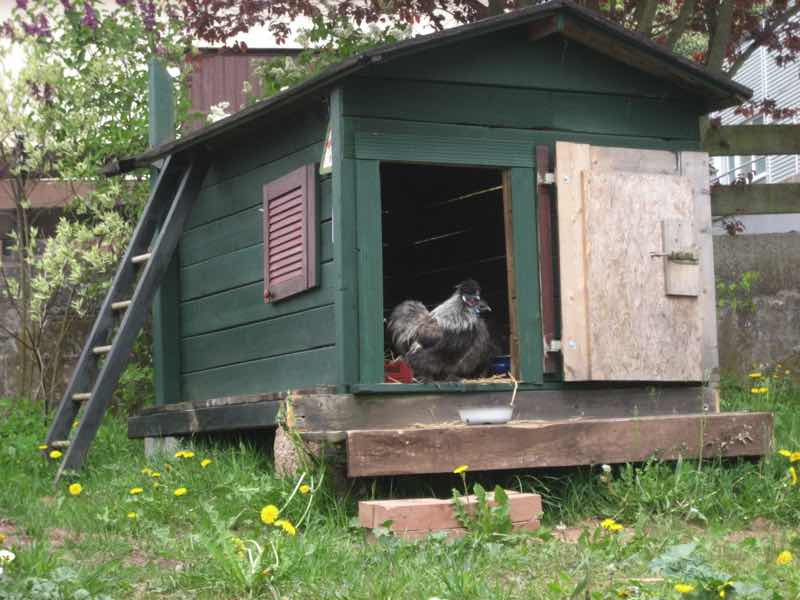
(548, 153)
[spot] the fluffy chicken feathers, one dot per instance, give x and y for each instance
(449, 342)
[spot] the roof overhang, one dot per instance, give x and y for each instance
(562, 17)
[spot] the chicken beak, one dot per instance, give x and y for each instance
(483, 306)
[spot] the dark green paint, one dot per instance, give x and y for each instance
(526, 272)
(166, 307)
(345, 252)
(292, 371)
(522, 108)
(293, 333)
(370, 271)
(246, 305)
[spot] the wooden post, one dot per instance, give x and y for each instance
(166, 303)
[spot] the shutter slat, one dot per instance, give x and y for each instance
(290, 231)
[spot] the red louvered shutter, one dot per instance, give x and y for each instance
(290, 216)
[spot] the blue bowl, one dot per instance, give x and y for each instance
(501, 365)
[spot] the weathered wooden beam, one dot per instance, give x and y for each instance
(756, 199)
(735, 140)
(557, 444)
(343, 412)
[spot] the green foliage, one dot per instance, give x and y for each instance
(738, 295)
(328, 41)
(490, 517)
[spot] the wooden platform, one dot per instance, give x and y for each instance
(439, 449)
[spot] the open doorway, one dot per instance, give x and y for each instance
(443, 225)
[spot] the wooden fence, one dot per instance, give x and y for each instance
(759, 140)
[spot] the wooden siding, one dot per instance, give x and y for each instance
(489, 102)
(231, 341)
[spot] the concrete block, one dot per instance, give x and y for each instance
(155, 446)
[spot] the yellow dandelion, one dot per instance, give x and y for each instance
(205, 462)
(785, 452)
(184, 454)
(755, 375)
(305, 488)
(684, 588)
(286, 526)
(754, 390)
(133, 515)
(135, 491)
(784, 558)
(43, 446)
(794, 457)
(793, 475)
(461, 469)
(75, 489)
(54, 454)
(763, 390)
(611, 525)
(147, 471)
(155, 474)
(2, 538)
(181, 491)
(269, 513)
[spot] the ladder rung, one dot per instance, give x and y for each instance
(101, 349)
(121, 305)
(140, 258)
(81, 396)
(60, 444)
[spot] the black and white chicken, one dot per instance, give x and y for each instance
(450, 342)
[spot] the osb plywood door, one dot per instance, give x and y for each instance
(636, 264)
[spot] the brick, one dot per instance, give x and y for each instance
(433, 514)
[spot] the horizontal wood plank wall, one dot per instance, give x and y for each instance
(489, 102)
(231, 341)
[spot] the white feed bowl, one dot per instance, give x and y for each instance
(486, 415)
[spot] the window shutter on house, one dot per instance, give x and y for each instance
(290, 234)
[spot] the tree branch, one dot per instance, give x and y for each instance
(718, 45)
(645, 15)
(680, 24)
(759, 39)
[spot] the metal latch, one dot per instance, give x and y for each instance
(545, 178)
(683, 258)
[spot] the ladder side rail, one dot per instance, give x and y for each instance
(86, 367)
(163, 249)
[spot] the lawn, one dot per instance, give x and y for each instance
(192, 526)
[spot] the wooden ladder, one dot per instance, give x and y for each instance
(124, 310)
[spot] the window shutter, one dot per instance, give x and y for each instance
(290, 234)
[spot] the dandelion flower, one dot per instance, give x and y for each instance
(2, 538)
(684, 588)
(133, 515)
(135, 490)
(785, 452)
(763, 390)
(184, 454)
(794, 457)
(611, 525)
(269, 513)
(784, 558)
(6, 556)
(286, 526)
(155, 474)
(181, 491)
(205, 462)
(55, 454)
(461, 469)
(305, 488)
(147, 471)
(793, 475)
(755, 375)
(42, 446)
(75, 489)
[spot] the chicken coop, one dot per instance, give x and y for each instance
(548, 154)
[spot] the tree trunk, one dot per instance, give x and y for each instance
(645, 15)
(679, 27)
(720, 38)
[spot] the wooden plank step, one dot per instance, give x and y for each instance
(81, 396)
(121, 305)
(101, 349)
(522, 445)
(141, 258)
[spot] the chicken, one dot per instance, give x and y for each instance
(450, 342)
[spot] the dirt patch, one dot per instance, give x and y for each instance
(59, 537)
(10, 535)
(759, 528)
(138, 558)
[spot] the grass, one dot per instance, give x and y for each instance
(701, 525)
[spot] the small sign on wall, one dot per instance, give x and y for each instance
(326, 163)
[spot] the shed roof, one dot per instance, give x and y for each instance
(557, 16)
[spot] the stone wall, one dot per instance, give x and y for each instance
(768, 330)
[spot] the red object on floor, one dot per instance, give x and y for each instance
(397, 371)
